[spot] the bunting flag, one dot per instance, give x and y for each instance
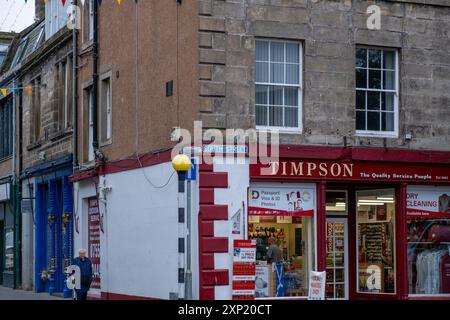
(4, 92)
(63, 2)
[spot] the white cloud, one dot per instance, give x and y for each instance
(16, 15)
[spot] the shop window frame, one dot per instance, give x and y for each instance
(419, 296)
(313, 186)
(343, 214)
(394, 246)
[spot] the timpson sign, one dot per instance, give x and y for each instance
(335, 170)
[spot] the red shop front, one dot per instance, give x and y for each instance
(376, 220)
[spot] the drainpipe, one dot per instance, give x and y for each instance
(95, 79)
(16, 196)
(75, 92)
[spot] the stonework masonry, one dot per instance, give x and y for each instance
(328, 31)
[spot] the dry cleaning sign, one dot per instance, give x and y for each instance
(281, 201)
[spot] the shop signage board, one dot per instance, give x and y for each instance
(351, 171)
(244, 269)
(281, 201)
(317, 286)
(94, 241)
(428, 202)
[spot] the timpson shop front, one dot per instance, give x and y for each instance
(376, 220)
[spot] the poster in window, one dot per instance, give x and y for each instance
(94, 241)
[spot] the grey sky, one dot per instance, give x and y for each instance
(15, 15)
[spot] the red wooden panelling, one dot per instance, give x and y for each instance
(206, 196)
(213, 180)
(214, 212)
(215, 245)
(215, 277)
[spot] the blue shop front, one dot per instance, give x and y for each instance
(53, 224)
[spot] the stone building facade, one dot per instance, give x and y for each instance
(329, 31)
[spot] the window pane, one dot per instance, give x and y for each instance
(389, 60)
(280, 240)
(360, 99)
(374, 58)
(389, 80)
(292, 52)
(291, 96)
(277, 51)
(373, 121)
(261, 94)
(277, 72)
(261, 115)
(361, 58)
(428, 240)
(375, 79)
(262, 50)
(387, 101)
(376, 241)
(262, 72)
(387, 121)
(360, 120)
(361, 78)
(276, 96)
(373, 100)
(292, 74)
(276, 116)
(291, 117)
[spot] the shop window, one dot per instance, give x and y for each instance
(376, 241)
(428, 236)
(9, 251)
(278, 84)
(376, 91)
(336, 202)
(281, 220)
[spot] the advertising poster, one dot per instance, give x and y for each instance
(281, 201)
(94, 241)
(428, 202)
(262, 281)
(244, 269)
(317, 286)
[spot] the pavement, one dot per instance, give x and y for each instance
(10, 294)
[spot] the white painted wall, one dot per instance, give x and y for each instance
(82, 191)
(233, 196)
(28, 237)
(141, 233)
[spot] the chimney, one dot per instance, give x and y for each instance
(39, 10)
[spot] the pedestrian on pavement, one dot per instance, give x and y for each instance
(85, 265)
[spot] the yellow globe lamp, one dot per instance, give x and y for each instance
(181, 163)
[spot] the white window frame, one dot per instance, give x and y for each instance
(91, 20)
(291, 130)
(396, 91)
(109, 117)
(67, 72)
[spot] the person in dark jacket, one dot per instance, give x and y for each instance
(85, 265)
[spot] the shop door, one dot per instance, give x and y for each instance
(337, 259)
(375, 243)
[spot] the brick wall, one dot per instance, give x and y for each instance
(329, 31)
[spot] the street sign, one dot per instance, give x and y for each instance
(191, 175)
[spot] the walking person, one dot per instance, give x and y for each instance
(85, 265)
